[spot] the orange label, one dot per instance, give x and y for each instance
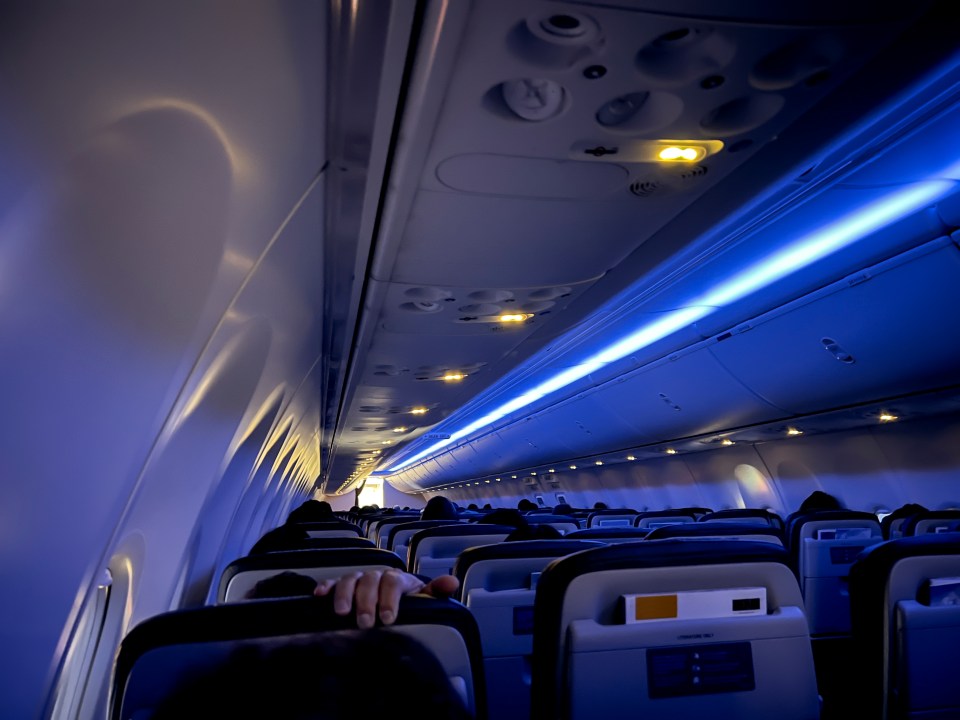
(655, 607)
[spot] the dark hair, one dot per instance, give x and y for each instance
(535, 531)
(504, 516)
(819, 500)
(525, 504)
(311, 511)
(600, 506)
(439, 508)
(562, 509)
(285, 584)
(284, 537)
(324, 678)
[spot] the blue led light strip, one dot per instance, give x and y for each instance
(797, 255)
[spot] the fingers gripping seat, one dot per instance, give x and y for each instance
(589, 663)
(240, 576)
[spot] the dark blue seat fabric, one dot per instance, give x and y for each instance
(161, 652)
(599, 518)
(652, 519)
(326, 526)
(929, 521)
(745, 515)
(701, 530)
(796, 522)
(609, 534)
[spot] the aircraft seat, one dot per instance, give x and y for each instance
(613, 517)
(164, 651)
(433, 551)
(725, 530)
(609, 535)
(929, 521)
(750, 516)
(652, 519)
(672, 628)
(338, 528)
(240, 576)
(398, 535)
(497, 584)
(905, 597)
(563, 523)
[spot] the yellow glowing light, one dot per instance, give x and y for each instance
(794, 431)
(599, 462)
(630, 457)
(727, 442)
(573, 467)
(498, 479)
(399, 429)
(533, 473)
(514, 317)
(674, 153)
(551, 470)
(514, 477)
(670, 451)
(453, 377)
(487, 482)
(888, 417)
(418, 411)
(384, 442)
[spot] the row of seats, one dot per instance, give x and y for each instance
(552, 635)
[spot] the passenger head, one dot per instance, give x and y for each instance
(285, 584)
(285, 537)
(439, 508)
(504, 516)
(600, 506)
(535, 531)
(819, 500)
(526, 505)
(323, 678)
(311, 511)
(563, 509)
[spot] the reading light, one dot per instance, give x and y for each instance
(399, 429)
(599, 462)
(533, 473)
(384, 442)
(794, 431)
(670, 451)
(487, 482)
(781, 263)
(573, 467)
(514, 317)
(514, 477)
(418, 411)
(727, 442)
(551, 470)
(888, 417)
(630, 457)
(453, 377)
(498, 479)
(674, 153)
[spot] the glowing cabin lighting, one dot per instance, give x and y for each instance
(573, 467)
(514, 317)
(418, 411)
(670, 451)
(551, 470)
(514, 477)
(487, 482)
(599, 462)
(498, 479)
(399, 429)
(385, 442)
(888, 417)
(727, 442)
(683, 154)
(453, 377)
(630, 457)
(795, 256)
(794, 431)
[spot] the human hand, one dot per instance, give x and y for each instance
(380, 589)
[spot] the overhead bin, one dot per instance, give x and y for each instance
(882, 332)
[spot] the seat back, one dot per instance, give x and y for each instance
(825, 544)
(614, 517)
(332, 529)
(744, 516)
(161, 653)
(652, 519)
(240, 576)
(719, 530)
(563, 523)
(672, 628)
(930, 521)
(905, 597)
(398, 535)
(497, 584)
(609, 535)
(433, 551)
